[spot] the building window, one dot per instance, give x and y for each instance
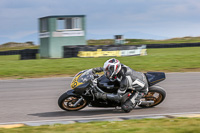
(69, 23)
(77, 23)
(60, 24)
(44, 25)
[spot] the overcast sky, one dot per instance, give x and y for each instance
(156, 19)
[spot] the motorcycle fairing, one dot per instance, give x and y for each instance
(75, 82)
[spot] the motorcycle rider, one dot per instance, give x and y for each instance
(128, 78)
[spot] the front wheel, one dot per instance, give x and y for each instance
(156, 94)
(67, 102)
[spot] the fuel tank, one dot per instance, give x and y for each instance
(106, 85)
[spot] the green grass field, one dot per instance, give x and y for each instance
(176, 125)
(167, 60)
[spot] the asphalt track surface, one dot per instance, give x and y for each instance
(36, 99)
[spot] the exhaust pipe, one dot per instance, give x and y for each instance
(146, 102)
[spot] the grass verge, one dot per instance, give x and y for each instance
(167, 60)
(176, 125)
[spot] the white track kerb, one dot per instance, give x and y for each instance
(84, 120)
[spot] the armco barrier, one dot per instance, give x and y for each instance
(73, 51)
(103, 50)
(11, 52)
(24, 54)
(17, 52)
(173, 45)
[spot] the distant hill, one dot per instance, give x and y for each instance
(15, 44)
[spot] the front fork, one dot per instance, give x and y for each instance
(77, 102)
(81, 98)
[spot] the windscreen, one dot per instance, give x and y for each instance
(86, 76)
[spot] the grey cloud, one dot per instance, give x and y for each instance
(159, 17)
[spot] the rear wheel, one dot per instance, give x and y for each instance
(156, 94)
(67, 102)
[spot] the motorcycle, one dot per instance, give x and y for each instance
(86, 83)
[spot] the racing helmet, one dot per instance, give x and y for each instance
(111, 68)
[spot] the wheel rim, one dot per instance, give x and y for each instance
(155, 96)
(69, 102)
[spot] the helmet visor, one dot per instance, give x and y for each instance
(109, 72)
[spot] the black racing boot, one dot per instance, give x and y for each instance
(128, 106)
(130, 103)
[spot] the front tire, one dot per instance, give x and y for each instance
(157, 94)
(67, 101)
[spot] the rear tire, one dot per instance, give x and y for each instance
(153, 91)
(66, 102)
